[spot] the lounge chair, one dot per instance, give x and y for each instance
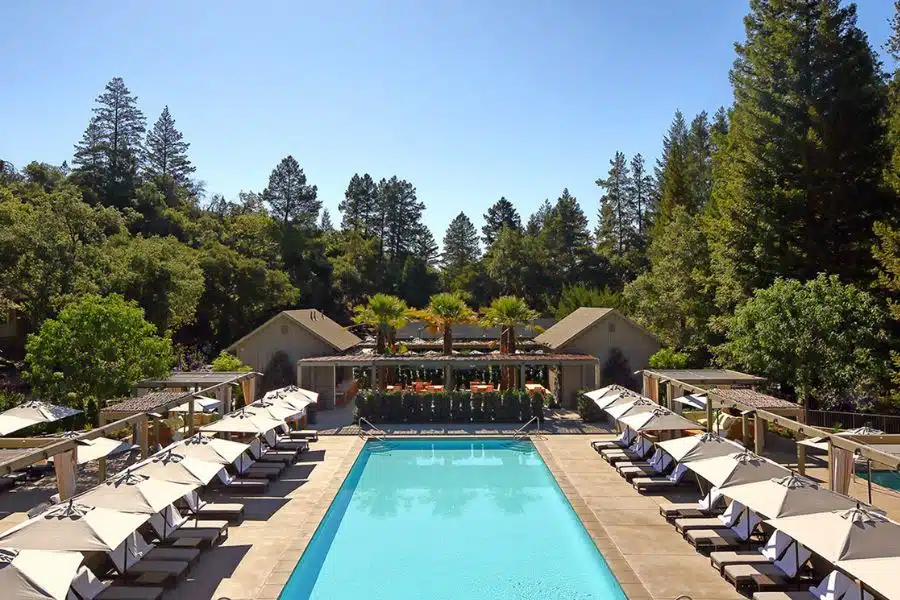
(773, 549)
(623, 441)
(167, 521)
(188, 555)
(658, 464)
(724, 521)
(784, 596)
(783, 570)
(278, 441)
(264, 454)
(718, 539)
(652, 484)
(130, 592)
(639, 450)
(230, 511)
(130, 559)
(232, 483)
(304, 434)
(86, 585)
(705, 507)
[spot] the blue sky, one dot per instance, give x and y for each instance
(469, 100)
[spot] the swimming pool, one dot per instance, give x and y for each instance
(451, 519)
(888, 479)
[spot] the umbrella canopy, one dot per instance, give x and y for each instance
(37, 574)
(843, 534)
(171, 465)
(736, 469)
(31, 413)
(878, 574)
(135, 493)
(201, 404)
(604, 391)
(631, 407)
(280, 410)
(698, 447)
(697, 401)
(658, 419)
(211, 449)
(245, 420)
(292, 393)
(102, 447)
(787, 497)
(864, 430)
(74, 527)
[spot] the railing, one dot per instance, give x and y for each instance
(849, 420)
(521, 433)
(376, 433)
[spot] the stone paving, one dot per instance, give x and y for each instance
(648, 557)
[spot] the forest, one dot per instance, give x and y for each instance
(765, 237)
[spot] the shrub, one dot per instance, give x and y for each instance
(278, 373)
(396, 414)
(477, 408)
(491, 399)
(441, 407)
(617, 370)
(668, 358)
(427, 411)
(537, 407)
(226, 362)
(588, 409)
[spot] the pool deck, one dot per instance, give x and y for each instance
(647, 556)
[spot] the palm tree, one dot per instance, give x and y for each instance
(507, 312)
(386, 314)
(445, 310)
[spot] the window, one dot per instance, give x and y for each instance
(284, 329)
(612, 327)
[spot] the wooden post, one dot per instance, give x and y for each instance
(759, 434)
(101, 469)
(830, 465)
(334, 386)
(709, 414)
(596, 375)
(299, 375)
(801, 450)
(745, 427)
(190, 417)
(670, 394)
(645, 384)
(374, 372)
(522, 377)
(143, 431)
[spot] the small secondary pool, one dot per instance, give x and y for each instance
(451, 519)
(888, 479)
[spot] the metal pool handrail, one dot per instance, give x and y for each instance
(520, 432)
(379, 435)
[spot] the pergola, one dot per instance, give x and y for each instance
(590, 365)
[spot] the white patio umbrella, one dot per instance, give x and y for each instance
(245, 420)
(202, 404)
(632, 406)
(787, 497)
(211, 449)
(877, 574)
(170, 465)
(292, 393)
(31, 413)
(698, 447)
(74, 527)
(736, 469)
(102, 447)
(821, 442)
(599, 393)
(658, 419)
(37, 574)
(278, 409)
(136, 493)
(697, 401)
(844, 535)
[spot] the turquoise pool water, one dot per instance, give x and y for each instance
(888, 479)
(451, 519)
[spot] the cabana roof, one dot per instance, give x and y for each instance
(195, 378)
(438, 360)
(755, 399)
(708, 376)
(148, 402)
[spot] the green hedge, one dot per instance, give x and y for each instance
(588, 409)
(511, 406)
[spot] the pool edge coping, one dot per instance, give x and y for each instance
(628, 581)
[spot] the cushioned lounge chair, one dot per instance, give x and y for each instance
(774, 548)
(230, 511)
(724, 521)
(707, 506)
(246, 485)
(653, 484)
(718, 539)
(638, 451)
(86, 585)
(622, 441)
(659, 464)
(783, 570)
(132, 560)
(304, 434)
(130, 592)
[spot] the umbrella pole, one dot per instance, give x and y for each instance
(869, 469)
(125, 562)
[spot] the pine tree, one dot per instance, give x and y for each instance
(671, 169)
(617, 215)
(501, 214)
(360, 206)
(325, 224)
(893, 48)
(798, 183)
(699, 162)
(537, 220)
(460, 245)
(167, 152)
(398, 223)
(425, 247)
(566, 239)
(642, 192)
(90, 161)
(117, 128)
(290, 198)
